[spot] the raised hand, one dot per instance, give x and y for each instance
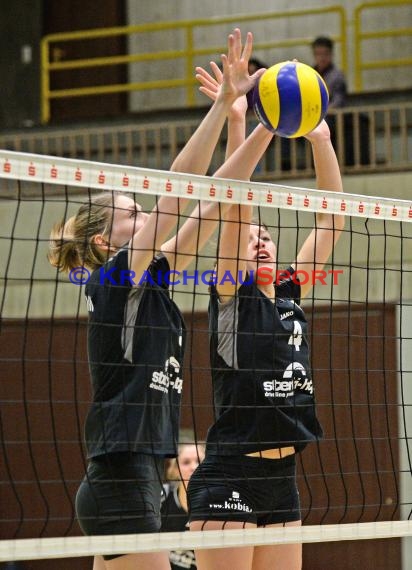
(209, 84)
(236, 78)
(234, 81)
(210, 87)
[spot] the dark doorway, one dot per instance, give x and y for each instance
(74, 15)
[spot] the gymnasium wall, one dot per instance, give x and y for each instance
(20, 34)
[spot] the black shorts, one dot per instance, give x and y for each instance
(245, 489)
(120, 494)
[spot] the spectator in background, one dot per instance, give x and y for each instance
(322, 48)
(174, 505)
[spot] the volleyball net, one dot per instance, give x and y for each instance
(354, 484)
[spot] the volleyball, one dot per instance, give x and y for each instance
(290, 99)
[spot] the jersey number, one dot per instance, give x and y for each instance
(296, 338)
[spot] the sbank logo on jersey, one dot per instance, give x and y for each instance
(168, 377)
(294, 378)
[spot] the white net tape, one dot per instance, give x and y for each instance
(53, 170)
(30, 549)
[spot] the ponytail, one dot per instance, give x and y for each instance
(63, 252)
(72, 242)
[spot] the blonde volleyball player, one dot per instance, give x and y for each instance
(263, 392)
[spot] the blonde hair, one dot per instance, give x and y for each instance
(71, 241)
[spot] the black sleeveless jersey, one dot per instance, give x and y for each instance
(135, 350)
(174, 519)
(262, 385)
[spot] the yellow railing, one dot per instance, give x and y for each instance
(361, 37)
(188, 53)
(368, 139)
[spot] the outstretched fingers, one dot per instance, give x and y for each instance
(209, 84)
(205, 78)
(235, 42)
(225, 64)
(257, 74)
(233, 79)
(235, 52)
(217, 72)
(247, 50)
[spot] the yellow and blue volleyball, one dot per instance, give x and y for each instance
(290, 99)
